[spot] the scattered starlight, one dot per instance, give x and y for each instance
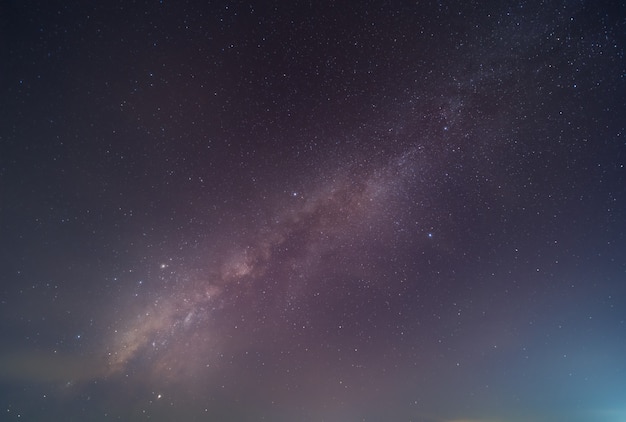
(335, 211)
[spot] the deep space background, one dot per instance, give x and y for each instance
(313, 211)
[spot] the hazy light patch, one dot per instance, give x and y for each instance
(610, 415)
(47, 367)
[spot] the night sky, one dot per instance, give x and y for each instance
(313, 211)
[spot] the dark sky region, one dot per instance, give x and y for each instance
(313, 211)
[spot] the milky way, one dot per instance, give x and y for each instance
(312, 211)
(355, 205)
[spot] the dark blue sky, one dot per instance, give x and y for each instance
(313, 211)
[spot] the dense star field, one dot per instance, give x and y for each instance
(313, 211)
